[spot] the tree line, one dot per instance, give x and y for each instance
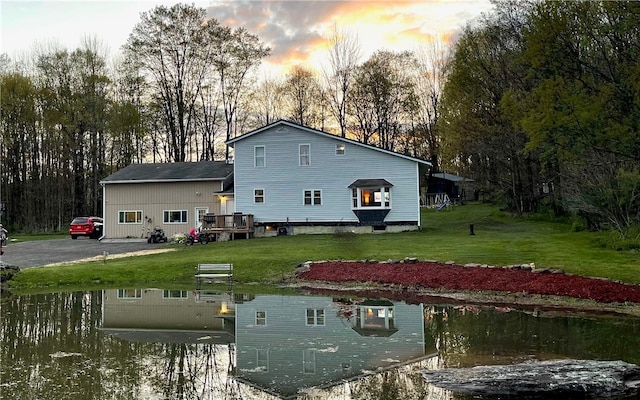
(542, 107)
(537, 102)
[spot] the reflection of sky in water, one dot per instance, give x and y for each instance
(157, 344)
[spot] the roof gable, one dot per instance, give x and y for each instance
(283, 124)
(171, 172)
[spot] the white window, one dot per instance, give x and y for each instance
(261, 318)
(175, 294)
(313, 197)
(309, 361)
(376, 317)
(129, 293)
(262, 360)
(315, 317)
(371, 197)
(340, 149)
(259, 156)
(258, 195)
(175, 216)
(305, 155)
(130, 217)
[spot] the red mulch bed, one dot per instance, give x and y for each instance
(458, 277)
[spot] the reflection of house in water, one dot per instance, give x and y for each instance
(169, 316)
(285, 344)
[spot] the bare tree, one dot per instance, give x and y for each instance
(344, 56)
(383, 96)
(430, 79)
(267, 100)
(234, 55)
(301, 89)
(171, 45)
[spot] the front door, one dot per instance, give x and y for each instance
(227, 207)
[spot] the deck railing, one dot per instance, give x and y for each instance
(432, 200)
(228, 222)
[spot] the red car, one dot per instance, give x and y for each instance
(86, 226)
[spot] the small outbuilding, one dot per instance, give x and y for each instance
(457, 189)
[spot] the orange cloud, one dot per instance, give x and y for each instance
(298, 31)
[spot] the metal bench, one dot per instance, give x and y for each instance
(215, 272)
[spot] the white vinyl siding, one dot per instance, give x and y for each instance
(285, 181)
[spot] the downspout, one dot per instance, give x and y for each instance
(104, 204)
(418, 194)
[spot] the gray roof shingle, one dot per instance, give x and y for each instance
(168, 172)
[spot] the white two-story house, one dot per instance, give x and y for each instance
(295, 179)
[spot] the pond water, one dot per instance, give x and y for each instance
(175, 344)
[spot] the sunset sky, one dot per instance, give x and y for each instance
(295, 30)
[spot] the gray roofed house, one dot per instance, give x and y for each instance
(172, 196)
(285, 176)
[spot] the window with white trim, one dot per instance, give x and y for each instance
(315, 317)
(175, 294)
(305, 155)
(261, 318)
(309, 361)
(312, 197)
(259, 156)
(258, 195)
(371, 197)
(130, 217)
(175, 216)
(129, 293)
(262, 360)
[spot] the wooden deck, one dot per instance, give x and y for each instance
(232, 224)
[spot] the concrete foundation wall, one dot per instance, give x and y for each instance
(262, 231)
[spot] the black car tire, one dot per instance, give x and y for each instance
(74, 237)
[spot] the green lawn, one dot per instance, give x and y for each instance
(499, 240)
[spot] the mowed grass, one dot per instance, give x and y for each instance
(499, 239)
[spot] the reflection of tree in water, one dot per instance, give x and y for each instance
(404, 382)
(470, 335)
(194, 371)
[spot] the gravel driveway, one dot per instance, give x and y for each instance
(44, 252)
